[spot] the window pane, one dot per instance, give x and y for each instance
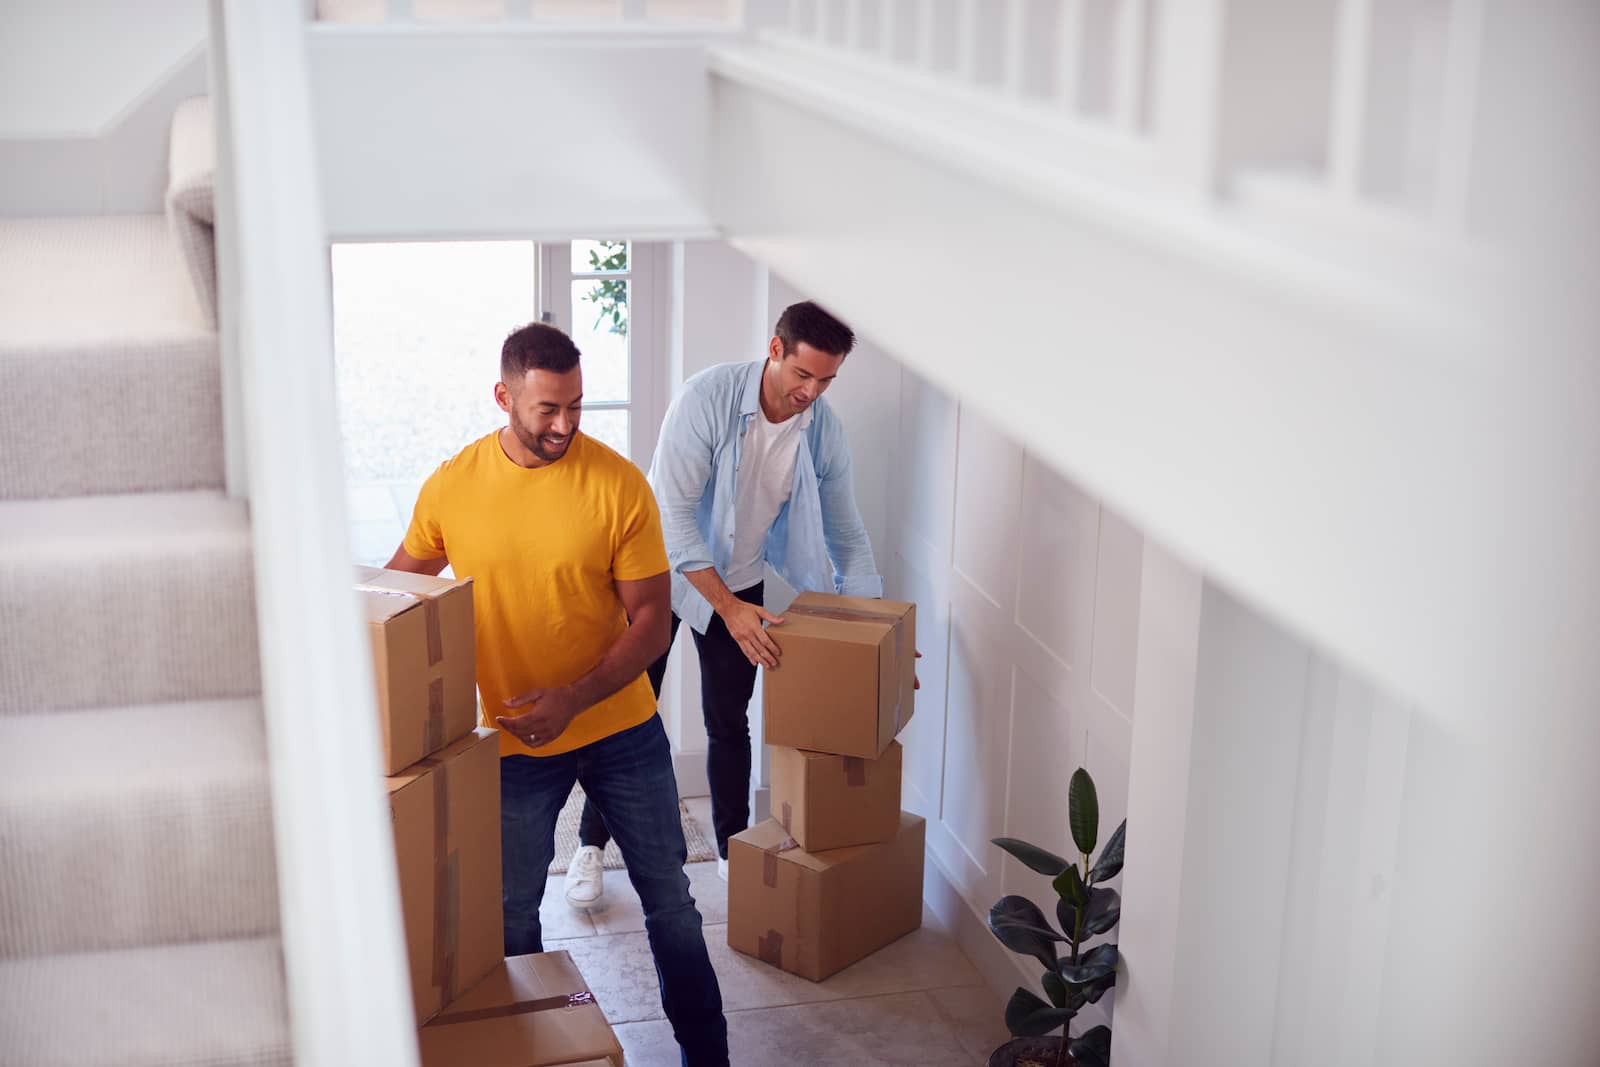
(609, 427)
(600, 330)
(591, 256)
(417, 329)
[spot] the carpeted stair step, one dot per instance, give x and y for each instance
(108, 368)
(207, 1004)
(133, 826)
(118, 600)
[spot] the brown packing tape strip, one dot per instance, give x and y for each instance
(787, 817)
(430, 616)
(855, 771)
(900, 658)
(841, 614)
(446, 887)
(769, 948)
(521, 1007)
(433, 730)
(769, 861)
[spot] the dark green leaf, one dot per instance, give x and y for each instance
(1092, 991)
(1083, 810)
(1036, 858)
(1054, 988)
(1067, 915)
(1021, 927)
(1110, 862)
(1105, 908)
(1096, 963)
(1069, 886)
(1028, 1016)
(1092, 1049)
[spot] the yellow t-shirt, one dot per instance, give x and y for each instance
(543, 547)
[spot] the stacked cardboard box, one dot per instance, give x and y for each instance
(474, 1006)
(444, 779)
(838, 874)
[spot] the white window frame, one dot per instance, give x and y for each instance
(648, 274)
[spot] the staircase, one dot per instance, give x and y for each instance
(138, 890)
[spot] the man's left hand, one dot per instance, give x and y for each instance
(548, 714)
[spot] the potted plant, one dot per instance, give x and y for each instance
(1072, 976)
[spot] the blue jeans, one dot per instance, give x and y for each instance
(629, 777)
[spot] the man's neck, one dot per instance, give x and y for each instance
(517, 453)
(770, 401)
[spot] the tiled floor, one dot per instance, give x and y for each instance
(918, 1001)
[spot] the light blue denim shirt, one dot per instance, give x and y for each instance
(818, 542)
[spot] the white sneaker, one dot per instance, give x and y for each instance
(585, 878)
(722, 868)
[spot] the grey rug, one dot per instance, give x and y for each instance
(700, 847)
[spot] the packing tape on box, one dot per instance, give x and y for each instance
(430, 616)
(786, 817)
(446, 884)
(433, 738)
(841, 614)
(769, 861)
(521, 1007)
(855, 771)
(769, 948)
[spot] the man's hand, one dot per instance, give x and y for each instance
(550, 712)
(744, 625)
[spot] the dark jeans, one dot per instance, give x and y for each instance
(727, 679)
(628, 776)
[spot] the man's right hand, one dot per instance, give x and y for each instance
(744, 621)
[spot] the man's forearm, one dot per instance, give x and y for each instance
(712, 587)
(639, 646)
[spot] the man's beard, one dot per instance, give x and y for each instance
(533, 443)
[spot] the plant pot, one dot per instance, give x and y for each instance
(1031, 1052)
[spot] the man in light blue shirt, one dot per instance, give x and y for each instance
(752, 470)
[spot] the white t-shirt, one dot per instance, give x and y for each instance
(764, 480)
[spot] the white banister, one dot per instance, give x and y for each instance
(1453, 167)
(1069, 52)
(1350, 52)
(1129, 64)
(344, 955)
(1016, 28)
(967, 15)
(924, 52)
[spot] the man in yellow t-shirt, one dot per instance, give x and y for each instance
(572, 602)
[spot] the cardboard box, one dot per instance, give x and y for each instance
(531, 1011)
(845, 675)
(826, 801)
(424, 658)
(815, 913)
(446, 811)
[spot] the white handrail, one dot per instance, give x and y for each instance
(344, 954)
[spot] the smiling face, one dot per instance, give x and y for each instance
(792, 381)
(545, 408)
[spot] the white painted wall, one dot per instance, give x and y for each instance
(1028, 609)
(87, 92)
(70, 68)
(475, 131)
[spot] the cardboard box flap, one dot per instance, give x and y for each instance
(391, 593)
(530, 1010)
(415, 772)
(770, 837)
(856, 620)
(523, 980)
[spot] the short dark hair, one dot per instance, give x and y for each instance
(808, 323)
(536, 346)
